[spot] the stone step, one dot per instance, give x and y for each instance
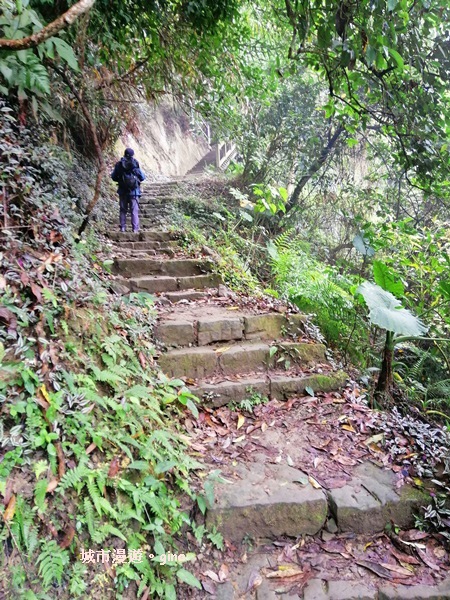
(140, 236)
(190, 295)
(135, 267)
(275, 385)
(246, 357)
(212, 329)
(265, 500)
(150, 245)
(157, 284)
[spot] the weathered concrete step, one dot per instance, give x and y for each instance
(245, 357)
(230, 328)
(141, 236)
(272, 385)
(150, 245)
(135, 267)
(190, 295)
(265, 500)
(171, 284)
(320, 589)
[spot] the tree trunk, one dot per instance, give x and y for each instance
(385, 379)
(49, 30)
(101, 168)
(316, 166)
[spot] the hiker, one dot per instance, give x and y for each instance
(128, 175)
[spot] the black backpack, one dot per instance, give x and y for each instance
(129, 179)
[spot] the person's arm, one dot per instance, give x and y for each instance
(140, 175)
(116, 173)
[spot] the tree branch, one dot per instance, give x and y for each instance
(66, 19)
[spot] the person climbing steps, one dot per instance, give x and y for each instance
(129, 176)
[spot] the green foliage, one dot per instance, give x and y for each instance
(52, 562)
(387, 312)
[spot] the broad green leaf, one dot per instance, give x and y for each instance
(398, 59)
(362, 246)
(387, 280)
(65, 52)
(188, 578)
(387, 312)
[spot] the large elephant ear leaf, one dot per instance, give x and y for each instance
(387, 312)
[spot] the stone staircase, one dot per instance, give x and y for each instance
(226, 352)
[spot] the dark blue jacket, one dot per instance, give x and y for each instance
(117, 175)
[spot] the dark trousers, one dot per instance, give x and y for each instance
(129, 204)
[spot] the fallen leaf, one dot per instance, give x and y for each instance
(221, 350)
(10, 509)
(345, 460)
(240, 421)
(314, 483)
(90, 448)
(399, 571)
(9, 318)
(254, 581)
(239, 439)
(113, 467)
(53, 484)
(209, 587)
(142, 360)
(413, 535)
(263, 426)
(233, 308)
(375, 568)
(284, 571)
(427, 559)
(374, 439)
(2, 282)
(224, 572)
(212, 576)
(8, 491)
(36, 291)
(349, 428)
(68, 537)
(404, 558)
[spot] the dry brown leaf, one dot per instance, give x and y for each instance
(375, 568)
(240, 421)
(209, 587)
(254, 581)
(51, 487)
(399, 571)
(113, 467)
(68, 537)
(91, 448)
(221, 350)
(10, 509)
(314, 483)
(284, 571)
(224, 572)
(263, 427)
(2, 282)
(212, 576)
(349, 428)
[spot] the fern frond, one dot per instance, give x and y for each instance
(52, 560)
(73, 477)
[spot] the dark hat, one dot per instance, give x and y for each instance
(129, 152)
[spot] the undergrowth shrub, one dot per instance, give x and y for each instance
(91, 456)
(318, 289)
